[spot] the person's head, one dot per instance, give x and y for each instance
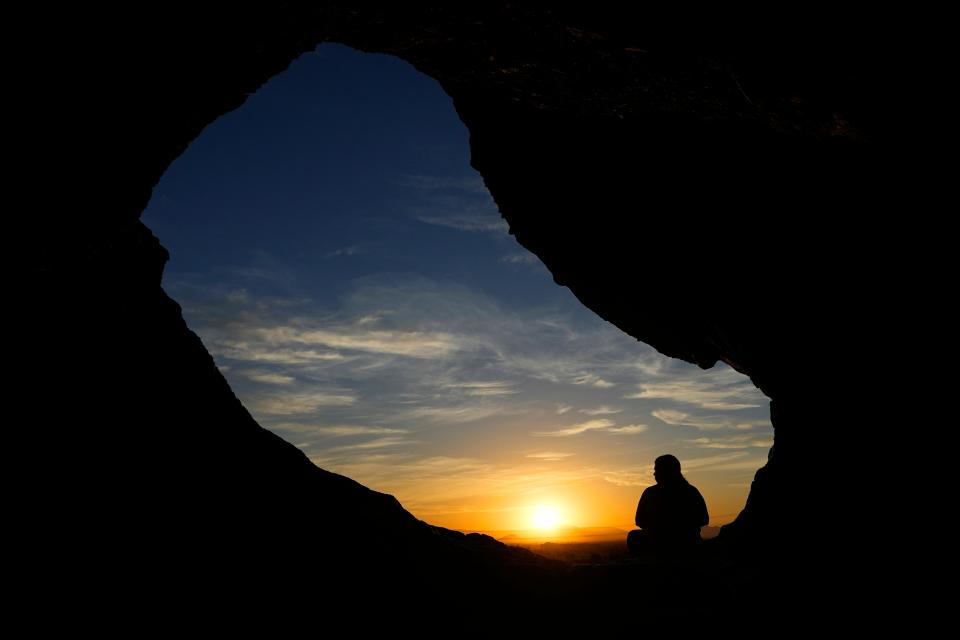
(666, 469)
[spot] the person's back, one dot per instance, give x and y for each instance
(670, 513)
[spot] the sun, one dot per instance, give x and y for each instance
(545, 518)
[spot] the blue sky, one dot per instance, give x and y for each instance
(355, 283)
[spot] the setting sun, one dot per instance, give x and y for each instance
(545, 517)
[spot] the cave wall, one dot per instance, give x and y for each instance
(703, 183)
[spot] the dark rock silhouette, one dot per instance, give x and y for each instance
(697, 180)
(669, 514)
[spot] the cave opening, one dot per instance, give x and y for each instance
(356, 285)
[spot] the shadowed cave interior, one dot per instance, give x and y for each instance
(591, 129)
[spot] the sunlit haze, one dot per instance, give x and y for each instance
(545, 518)
(353, 280)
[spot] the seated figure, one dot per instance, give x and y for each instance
(670, 513)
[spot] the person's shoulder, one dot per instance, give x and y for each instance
(693, 490)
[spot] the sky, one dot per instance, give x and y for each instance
(355, 283)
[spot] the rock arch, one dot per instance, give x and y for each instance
(699, 184)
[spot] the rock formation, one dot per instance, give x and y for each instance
(704, 182)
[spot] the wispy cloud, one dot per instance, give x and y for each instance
(749, 465)
(671, 416)
(468, 222)
(245, 351)
(470, 183)
(267, 377)
(352, 250)
(493, 388)
(601, 411)
(379, 443)
(416, 344)
(733, 442)
(456, 414)
(744, 425)
(421, 319)
(334, 431)
(722, 390)
(282, 404)
(627, 430)
(520, 258)
(577, 429)
(455, 202)
(594, 381)
(629, 478)
(704, 423)
(551, 456)
(602, 424)
(712, 463)
(238, 296)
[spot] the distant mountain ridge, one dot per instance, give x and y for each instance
(575, 534)
(560, 534)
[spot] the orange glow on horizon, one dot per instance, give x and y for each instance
(588, 495)
(580, 511)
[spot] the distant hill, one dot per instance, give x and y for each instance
(575, 534)
(560, 534)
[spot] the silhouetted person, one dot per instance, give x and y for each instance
(670, 513)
